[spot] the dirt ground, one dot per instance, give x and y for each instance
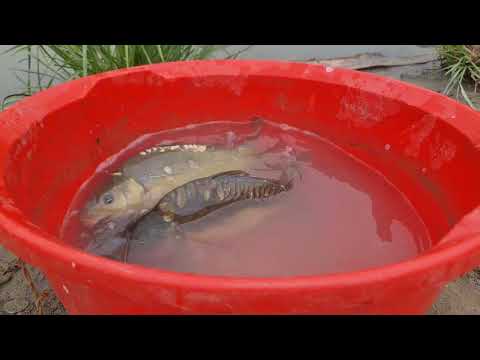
(461, 297)
(16, 294)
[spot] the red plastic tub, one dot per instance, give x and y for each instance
(53, 141)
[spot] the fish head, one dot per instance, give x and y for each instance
(115, 208)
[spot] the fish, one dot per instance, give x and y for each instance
(198, 198)
(163, 241)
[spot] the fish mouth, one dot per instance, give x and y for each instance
(106, 225)
(94, 223)
(89, 221)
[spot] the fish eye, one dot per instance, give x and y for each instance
(108, 199)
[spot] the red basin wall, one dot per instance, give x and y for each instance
(426, 144)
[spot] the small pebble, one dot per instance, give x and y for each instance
(168, 170)
(15, 306)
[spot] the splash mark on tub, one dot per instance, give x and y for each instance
(416, 134)
(441, 152)
(361, 110)
(235, 84)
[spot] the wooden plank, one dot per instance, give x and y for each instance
(373, 60)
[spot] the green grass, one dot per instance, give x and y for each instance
(461, 64)
(47, 65)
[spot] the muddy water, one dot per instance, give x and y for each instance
(339, 216)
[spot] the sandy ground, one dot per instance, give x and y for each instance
(461, 297)
(16, 294)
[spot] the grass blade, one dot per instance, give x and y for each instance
(127, 59)
(84, 60)
(160, 53)
(467, 98)
(146, 54)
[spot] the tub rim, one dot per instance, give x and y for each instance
(455, 245)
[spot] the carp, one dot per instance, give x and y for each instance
(197, 199)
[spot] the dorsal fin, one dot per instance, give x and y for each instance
(231, 173)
